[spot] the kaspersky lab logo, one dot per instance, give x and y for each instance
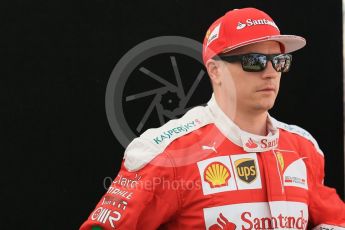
(174, 131)
(253, 22)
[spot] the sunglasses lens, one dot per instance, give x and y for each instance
(282, 63)
(254, 62)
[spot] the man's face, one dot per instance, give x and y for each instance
(254, 91)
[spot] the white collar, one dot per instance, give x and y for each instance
(249, 142)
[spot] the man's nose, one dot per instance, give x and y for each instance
(269, 71)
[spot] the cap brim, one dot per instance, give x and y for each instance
(291, 42)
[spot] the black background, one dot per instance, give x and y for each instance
(57, 146)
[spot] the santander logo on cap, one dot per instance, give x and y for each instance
(242, 27)
(254, 22)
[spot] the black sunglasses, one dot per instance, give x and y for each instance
(256, 62)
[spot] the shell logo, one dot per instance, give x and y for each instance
(217, 174)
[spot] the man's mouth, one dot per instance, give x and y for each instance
(267, 89)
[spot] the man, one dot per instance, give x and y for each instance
(228, 165)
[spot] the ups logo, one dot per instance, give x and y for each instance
(246, 169)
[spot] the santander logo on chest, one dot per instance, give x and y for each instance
(255, 143)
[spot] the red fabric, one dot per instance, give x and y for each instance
(241, 27)
(166, 194)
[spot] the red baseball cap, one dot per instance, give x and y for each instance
(242, 27)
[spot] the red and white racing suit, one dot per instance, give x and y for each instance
(203, 172)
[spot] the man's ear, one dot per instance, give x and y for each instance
(214, 71)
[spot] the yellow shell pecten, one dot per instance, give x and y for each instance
(217, 174)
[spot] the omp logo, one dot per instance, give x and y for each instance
(217, 174)
(246, 169)
(104, 215)
(253, 22)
